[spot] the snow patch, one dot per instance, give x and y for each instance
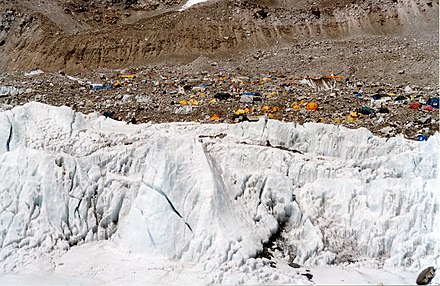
(191, 3)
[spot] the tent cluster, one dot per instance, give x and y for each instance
(233, 97)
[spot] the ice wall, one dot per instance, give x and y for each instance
(214, 194)
(357, 196)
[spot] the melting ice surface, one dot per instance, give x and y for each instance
(86, 200)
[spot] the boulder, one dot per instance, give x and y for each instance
(426, 276)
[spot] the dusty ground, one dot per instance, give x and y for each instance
(377, 47)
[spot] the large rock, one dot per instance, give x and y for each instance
(426, 276)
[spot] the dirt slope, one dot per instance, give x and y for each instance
(80, 35)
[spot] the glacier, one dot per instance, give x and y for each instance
(209, 199)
